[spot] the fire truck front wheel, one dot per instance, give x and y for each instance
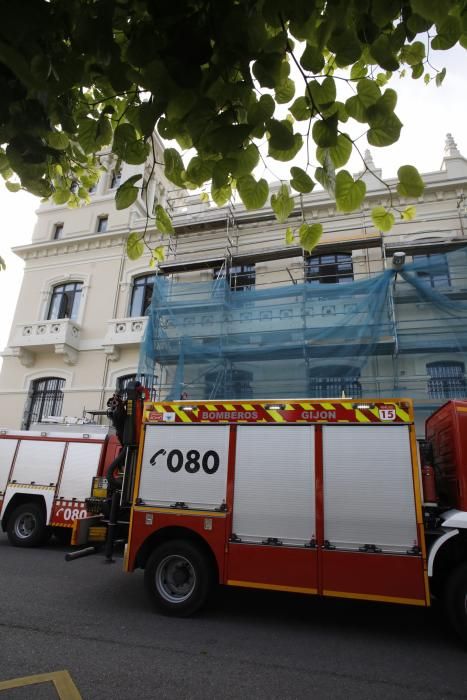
(455, 599)
(178, 577)
(26, 526)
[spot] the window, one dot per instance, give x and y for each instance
(446, 380)
(149, 382)
(102, 222)
(115, 179)
(329, 269)
(233, 384)
(331, 381)
(58, 232)
(241, 277)
(65, 299)
(437, 274)
(141, 295)
(45, 399)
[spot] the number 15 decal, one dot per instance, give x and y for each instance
(193, 461)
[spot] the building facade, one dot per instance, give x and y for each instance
(82, 309)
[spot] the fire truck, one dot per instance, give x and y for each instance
(318, 497)
(45, 476)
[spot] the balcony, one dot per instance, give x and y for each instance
(123, 332)
(61, 336)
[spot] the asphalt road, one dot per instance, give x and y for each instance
(95, 621)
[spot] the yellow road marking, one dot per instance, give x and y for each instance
(66, 689)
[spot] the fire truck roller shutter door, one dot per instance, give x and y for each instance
(185, 464)
(81, 462)
(7, 452)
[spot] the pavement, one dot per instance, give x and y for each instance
(94, 622)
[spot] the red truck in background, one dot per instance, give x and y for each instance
(45, 477)
(321, 497)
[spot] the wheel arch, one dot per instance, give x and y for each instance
(18, 499)
(446, 553)
(175, 532)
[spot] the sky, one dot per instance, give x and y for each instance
(427, 112)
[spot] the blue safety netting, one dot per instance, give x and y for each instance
(211, 342)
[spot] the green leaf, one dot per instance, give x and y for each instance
(289, 236)
(339, 154)
(221, 195)
(261, 111)
(127, 145)
(312, 59)
(127, 193)
(449, 32)
(409, 213)
(417, 71)
(285, 91)
(358, 70)
(326, 177)
(426, 78)
(134, 246)
(58, 140)
(245, 161)
(289, 153)
(163, 220)
(410, 183)
(346, 46)
(433, 10)
(323, 94)
(309, 235)
(281, 135)
(158, 255)
(2, 264)
(87, 134)
(382, 52)
(174, 170)
(324, 132)
(226, 138)
(382, 219)
(350, 193)
(199, 171)
(301, 182)
(413, 53)
(440, 77)
(252, 193)
(282, 204)
(13, 186)
(368, 93)
(61, 196)
(300, 109)
(384, 130)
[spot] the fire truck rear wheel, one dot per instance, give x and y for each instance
(178, 577)
(26, 526)
(455, 600)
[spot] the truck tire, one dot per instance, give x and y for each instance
(26, 526)
(178, 578)
(455, 600)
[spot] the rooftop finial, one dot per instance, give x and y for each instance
(450, 148)
(368, 159)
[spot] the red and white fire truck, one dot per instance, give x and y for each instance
(320, 497)
(45, 476)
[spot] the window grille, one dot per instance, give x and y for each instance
(446, 380)
(65, 301)
(241, 277)
(148, 381)
(329, 269)
(45, 399)
(333, 381)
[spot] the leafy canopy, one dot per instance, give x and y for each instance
(77, 76)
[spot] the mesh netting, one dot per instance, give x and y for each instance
(305, 339)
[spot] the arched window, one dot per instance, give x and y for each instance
(149, 382)
(45, 399)
(65, 300)
(333, 380)
(329, 269)
(446, 380)
(141, 295)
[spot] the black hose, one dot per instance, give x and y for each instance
(115, 482)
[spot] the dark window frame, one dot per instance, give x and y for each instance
(328, 268)
(58, 231)
(125, 379)
(435, 280)
(339, 379)
(68, 302)
(241, 277)
(102, 223)
(145, 281)
(115, 179)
